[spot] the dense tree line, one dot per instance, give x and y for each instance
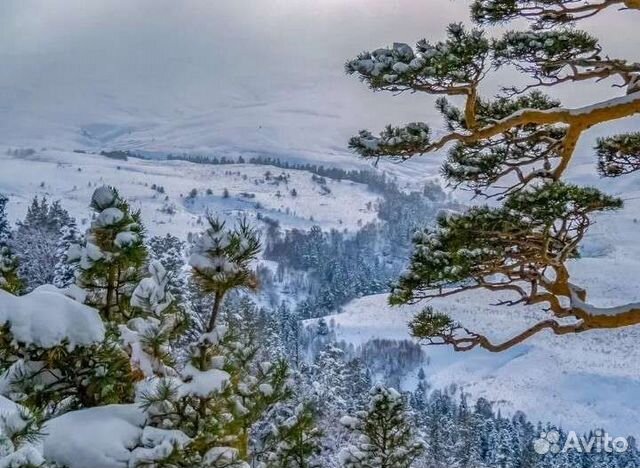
(375, 180)
(342, 266)
(452, 429)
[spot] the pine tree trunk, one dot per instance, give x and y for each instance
(214, 312)
(110, 291)
(243, 445)
(217, 301)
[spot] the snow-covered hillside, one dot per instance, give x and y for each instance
(289, 196)
(580, 381)
(583, 381)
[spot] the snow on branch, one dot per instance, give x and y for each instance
(619, 154)
(544, 13)
(399, 142)
(516, 147)
(46, 318)
(462, 339)
(403, 143)
(559, 56)
(453, 66)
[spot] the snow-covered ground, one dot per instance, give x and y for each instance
(580, 381)
(72, 178)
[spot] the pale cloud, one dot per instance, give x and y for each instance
(186, 63)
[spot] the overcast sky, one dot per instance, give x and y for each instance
(267, 72)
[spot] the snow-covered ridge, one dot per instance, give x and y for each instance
(168, 208)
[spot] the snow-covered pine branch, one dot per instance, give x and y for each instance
(111, 256)
(543, 13)
(516, 148)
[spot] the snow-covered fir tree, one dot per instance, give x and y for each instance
(292, 440)
(170, 252)
(467, 449)
(221, 261)
(19, 430)
(329, 381)
(9, 280)
(383, 436)
(224, 388)
(439, 420)
(5, 230)
(54, 355)
(37, 242)
(50, 362)
(290, 333)
(157, 323)
(64, 273)
(111, 256)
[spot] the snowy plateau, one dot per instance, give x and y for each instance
(72, 177)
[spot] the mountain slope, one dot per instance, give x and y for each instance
(580, 381)
(253, 190)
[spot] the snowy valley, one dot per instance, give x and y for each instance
(319, 234)
(552, 379)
